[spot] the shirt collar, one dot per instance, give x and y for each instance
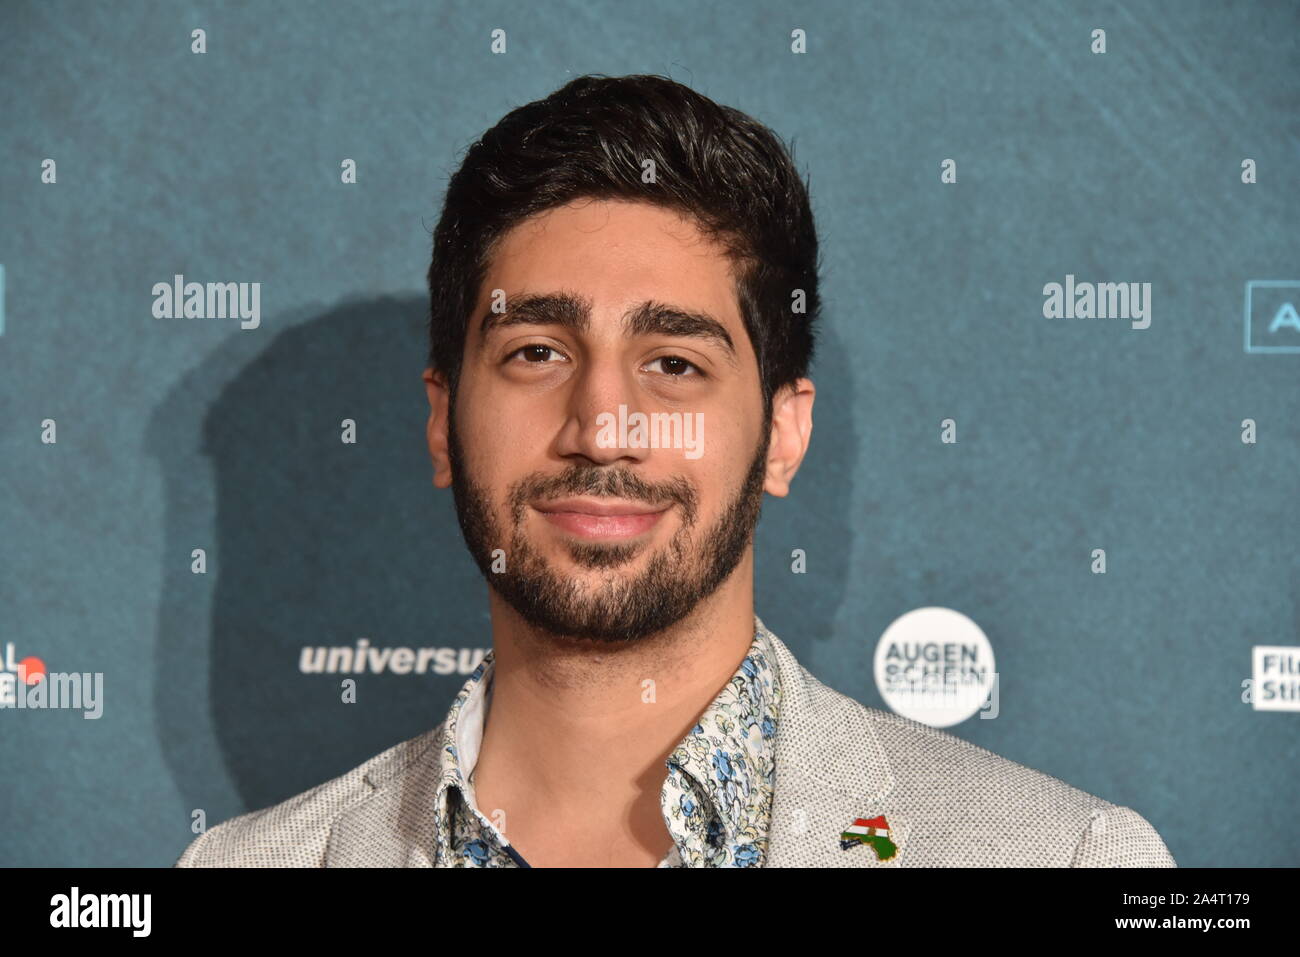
(728, 756)
(458, 745)
(731, 742)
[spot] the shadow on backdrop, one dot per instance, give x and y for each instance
(311, 542)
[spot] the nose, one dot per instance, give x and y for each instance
(602, 397)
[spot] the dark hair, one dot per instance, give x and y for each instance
(727, 171)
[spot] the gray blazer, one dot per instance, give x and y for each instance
(948, 803)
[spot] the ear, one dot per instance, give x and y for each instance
(435, 384)
(791, 432)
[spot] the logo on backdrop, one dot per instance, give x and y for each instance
(1276, 678)
(935, 665)
(1272, 319)
(15, 671)
(25, 683)
(366, 659)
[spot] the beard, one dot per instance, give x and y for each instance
(618, 610)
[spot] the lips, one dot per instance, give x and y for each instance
(601, 518)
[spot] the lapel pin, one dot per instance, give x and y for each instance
(872, 831)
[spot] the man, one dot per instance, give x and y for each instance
(627, 248)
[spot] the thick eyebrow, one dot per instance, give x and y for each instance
(657, 318)
(574, 312)
(552, 309)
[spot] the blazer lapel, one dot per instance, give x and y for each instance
(831, 770)
(395, 825)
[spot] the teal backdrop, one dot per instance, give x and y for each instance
(173, 435)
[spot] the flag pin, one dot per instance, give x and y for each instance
(872, 831)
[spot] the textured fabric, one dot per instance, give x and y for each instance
(716, 796)
(948, 803)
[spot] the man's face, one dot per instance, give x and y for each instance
(607, 304)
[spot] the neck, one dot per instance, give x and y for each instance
(578, 732)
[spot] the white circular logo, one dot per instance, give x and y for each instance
(935, 665)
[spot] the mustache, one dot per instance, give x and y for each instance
(601, 482)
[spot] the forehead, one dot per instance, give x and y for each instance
(616, 254)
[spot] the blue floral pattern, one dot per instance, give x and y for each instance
(716, 798)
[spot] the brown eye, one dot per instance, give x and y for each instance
(535, 354)
(676, 367)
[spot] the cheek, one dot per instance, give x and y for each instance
(502, 449)
(727, 445)
(714, 477)
(499, 437)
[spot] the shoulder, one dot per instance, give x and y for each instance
(972, 807)
(294, 833)
(997, 811)
(959, 804)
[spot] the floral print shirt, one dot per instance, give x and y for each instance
(716, 798)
